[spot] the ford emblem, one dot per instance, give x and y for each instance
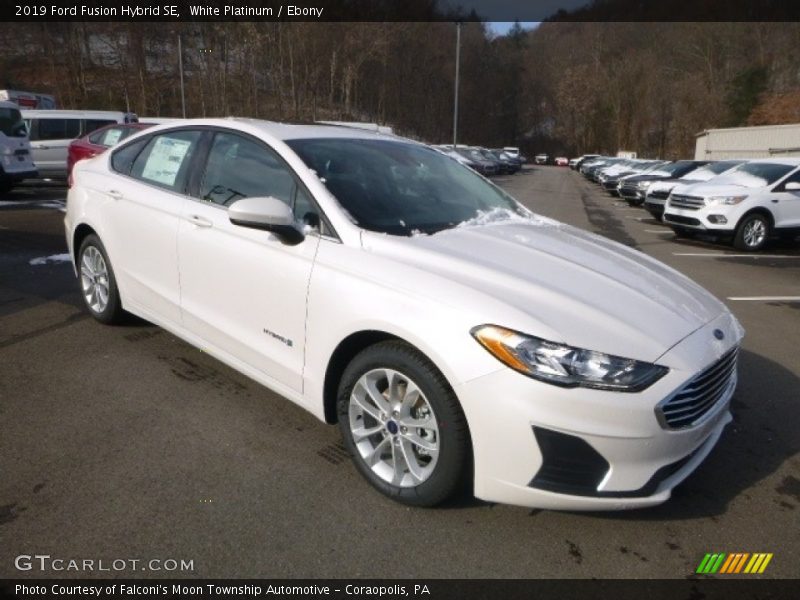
(719, 334)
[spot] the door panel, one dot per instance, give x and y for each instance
(142, 215)
(49, 143)
(787, 208)
(242, 289)
(244, 292)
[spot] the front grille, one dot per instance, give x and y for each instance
(681, 220)
(20, 152)
(659, 194)
(700, 395)
(687, 202)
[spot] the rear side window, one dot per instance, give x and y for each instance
(56, 129)
(166, 158)
(110, 137)
(122, 159)
(94, 124)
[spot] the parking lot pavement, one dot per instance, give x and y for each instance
(124, 442)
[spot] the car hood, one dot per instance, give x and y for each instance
(647, 177)
(584, 289)
(671, 183)
(709, 189)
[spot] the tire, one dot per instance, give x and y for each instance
(98, 284)
(440, 451)
(752, 233)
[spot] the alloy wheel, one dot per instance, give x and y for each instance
(394, 428)
(94, 279)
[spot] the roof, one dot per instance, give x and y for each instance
(29, 113)
(289, 131)
(792, 162)
(749, 128)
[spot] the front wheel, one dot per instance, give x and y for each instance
(752, 233)
(403, 425)
(98, 285)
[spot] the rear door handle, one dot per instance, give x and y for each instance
(115, 194)
(199, 221)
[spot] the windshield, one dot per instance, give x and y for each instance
(755, 175)
(670, 169)
(710, 170)
(10, 121)
(399, 188)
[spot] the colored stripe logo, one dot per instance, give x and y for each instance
(736, 562)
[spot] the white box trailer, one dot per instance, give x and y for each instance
(764, 141)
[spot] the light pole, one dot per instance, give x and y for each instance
(180, 67)
(455, 100)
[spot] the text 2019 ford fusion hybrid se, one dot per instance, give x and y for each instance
(456, 337)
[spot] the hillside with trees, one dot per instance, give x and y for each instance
(564, 87)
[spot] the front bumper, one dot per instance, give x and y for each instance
(633, 195)
(655, 206)
(17, 176)
(707, 219)
(524, 431)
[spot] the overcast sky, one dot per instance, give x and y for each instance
(515, 10)
(502, 27)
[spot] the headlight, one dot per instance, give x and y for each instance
(643, 185)
(564, 365)
(727, 200)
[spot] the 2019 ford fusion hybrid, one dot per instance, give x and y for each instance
(454, 336)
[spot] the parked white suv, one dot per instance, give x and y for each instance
(15, 150)
(658, 192)
(752, 203)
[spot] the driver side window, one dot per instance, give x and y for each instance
(793, 178)
(239, 168)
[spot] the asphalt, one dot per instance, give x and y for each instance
(127, 443)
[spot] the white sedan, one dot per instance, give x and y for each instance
(456, 337)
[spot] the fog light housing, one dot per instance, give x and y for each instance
(717, 219)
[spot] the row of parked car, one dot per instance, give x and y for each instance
(486, 161)
(745, 201)
(47, 143)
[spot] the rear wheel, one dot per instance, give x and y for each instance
(752, 232)
(98, 285)
(403, 425)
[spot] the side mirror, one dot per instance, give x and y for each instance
(267, 214)
(792, 186)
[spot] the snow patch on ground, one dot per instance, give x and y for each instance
(53, 258)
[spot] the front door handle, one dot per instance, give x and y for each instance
(199, 221)
(116, 195)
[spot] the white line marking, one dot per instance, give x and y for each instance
(636, 218)
(658, 231)
(723, 255)
(765, 298)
